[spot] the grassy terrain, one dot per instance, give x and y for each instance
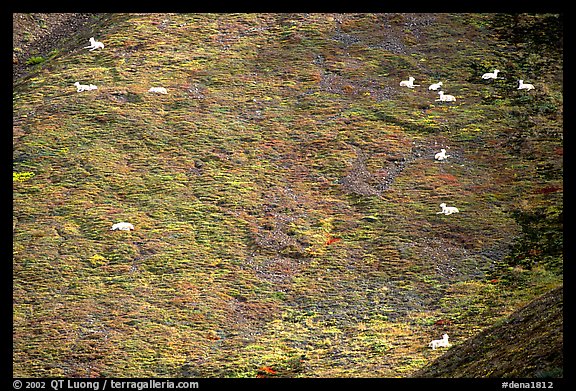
(532, 335)
(284, 192)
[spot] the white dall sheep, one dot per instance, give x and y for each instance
(525, 86)
(84, 87)
(409, 83)
(435, 86)
(122, 227)
(493, 75)
(445, 97)
(441, 155)
(159, 90)
(438, 343)
(447, 210)
(94, 45)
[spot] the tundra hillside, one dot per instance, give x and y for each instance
(283, 192)
(527, 344)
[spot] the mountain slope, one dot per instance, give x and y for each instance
(284, 192)
(527, 344)
(43, 35)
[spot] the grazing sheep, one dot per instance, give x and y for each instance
(441, 155)
(94, 45)
(447, 210)
(122, 227)
(445, 98)
(489, 75)
(525, 86)
(159, 90)
(409, 83)
(84, 87)
(437, 343)
(435, 86)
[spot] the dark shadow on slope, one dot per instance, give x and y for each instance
(527, 344)
(42, 34)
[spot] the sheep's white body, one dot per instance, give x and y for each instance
(409, 83)
(94, 45)
(447, 210)
(159, 90)
(493, 75)
(122, 227)
(441, 155)
(445, 97)
(438, 343)
(435, 86)
(525, 86)
(84, 87)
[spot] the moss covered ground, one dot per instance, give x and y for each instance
(284, 192)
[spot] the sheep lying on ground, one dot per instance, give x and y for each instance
(447, 210)
(84, 87)
(445, 98)
(437, 343)
(435, 86)
(525, 86)
(493, 75)
(122, 227)
(441, 155)
(409, 83)
(159, 90)
(94, 45)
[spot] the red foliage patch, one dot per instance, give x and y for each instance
(546, 190)
(267, 370)
(263, 371)
(332, 240)
(447, 177)
(443, 322)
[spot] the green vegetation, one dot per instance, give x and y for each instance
(35, 60)
(283, 193)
